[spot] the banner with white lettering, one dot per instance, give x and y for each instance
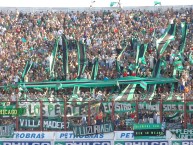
(124, 135)
(51, 123)
(68, 135)
(163, 142)
(179, 134)
(7, 142)
(84, 143)
(33, 135)
(7, 131)
(93, 129)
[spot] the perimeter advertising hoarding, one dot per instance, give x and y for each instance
(33, 135)
(69, 135)
(124, 135)
(179, 134)
(83, 143)
(182, 142)
(161, 142)
(25, 142)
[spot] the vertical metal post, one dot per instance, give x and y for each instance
(65, 114)
(41, 117)
(89, 113)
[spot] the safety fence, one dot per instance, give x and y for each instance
(52, 115)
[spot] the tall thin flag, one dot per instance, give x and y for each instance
(157, 3)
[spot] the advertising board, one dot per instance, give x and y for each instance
(84, 143)
(25, 142)
(68, 135)
(124, 135)
(179, 134)
(33, 135)
(181, 142)
(161, 142)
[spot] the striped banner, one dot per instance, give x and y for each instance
(95, 69)
(183, 38)
(81, 58)
(53, 58)
(127, 93)
(27, 69)
(118, 67)
(143, 85)
(163, 42)
(141, 52)
(65, 47)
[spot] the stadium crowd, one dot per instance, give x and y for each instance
(31, 36)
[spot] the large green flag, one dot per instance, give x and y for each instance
(183, 39)
(143, 85)
(27, 69)
(53, 58)
(118, 67)
(157, 3)
(95, 69)
(127, 93)
(81, 58)
(163, 42)
(65, 56)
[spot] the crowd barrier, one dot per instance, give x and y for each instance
(67, 138)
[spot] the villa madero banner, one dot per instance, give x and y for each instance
(47, 123)
(93, 129)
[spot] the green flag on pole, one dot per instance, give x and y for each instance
(113, 4)
(157, 3)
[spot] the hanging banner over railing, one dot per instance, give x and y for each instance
(93, 129)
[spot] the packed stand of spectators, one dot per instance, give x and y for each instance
(32, 36)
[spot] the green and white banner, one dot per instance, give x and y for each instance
(179, 134)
